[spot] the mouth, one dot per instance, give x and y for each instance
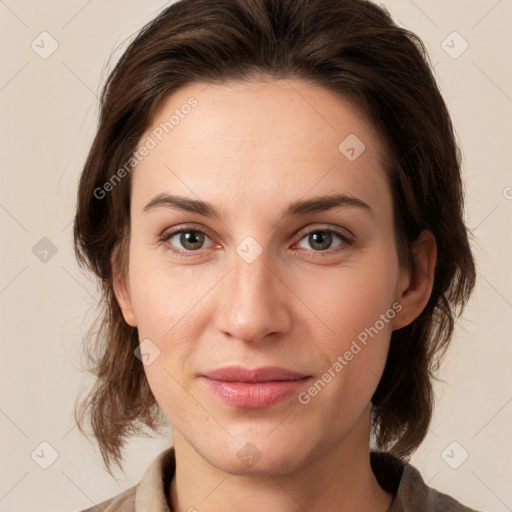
(254, 388)
(262, 374)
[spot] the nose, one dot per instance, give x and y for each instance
(255, 301)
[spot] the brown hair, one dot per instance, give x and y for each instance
(351, 47)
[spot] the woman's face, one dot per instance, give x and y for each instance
(268, 273)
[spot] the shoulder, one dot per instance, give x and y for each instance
(149, 494)
(124, 502)
(411, 493)
(416, 494)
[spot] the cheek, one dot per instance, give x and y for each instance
(168, 308)
(170, 304)
(353, 298)
(360, 314)
(357, 304)
(165, 295)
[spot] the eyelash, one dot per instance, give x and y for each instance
(344, 241)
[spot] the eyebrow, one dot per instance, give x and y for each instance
(299, 207)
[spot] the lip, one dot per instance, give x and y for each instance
(263, 374)
(254, 388)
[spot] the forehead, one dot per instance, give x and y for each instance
(287, 136)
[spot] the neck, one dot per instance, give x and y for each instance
(337, 478)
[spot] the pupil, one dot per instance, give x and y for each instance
(320, 238)
(191, 239)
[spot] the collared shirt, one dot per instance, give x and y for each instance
(399, 478)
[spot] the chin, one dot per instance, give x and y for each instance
(256, 457)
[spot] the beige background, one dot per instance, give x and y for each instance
(49, 113)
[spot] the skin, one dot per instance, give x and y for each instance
(251, 149)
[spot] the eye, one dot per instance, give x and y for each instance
(186, 240)
(322, 240)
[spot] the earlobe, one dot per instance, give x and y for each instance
(121, 290)
(415, 287)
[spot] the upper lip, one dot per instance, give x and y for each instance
(262, 374)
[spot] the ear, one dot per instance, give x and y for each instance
(414, 287)
(122, 287)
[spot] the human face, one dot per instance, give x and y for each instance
(260, 287)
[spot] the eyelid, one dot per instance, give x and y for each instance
(185, 227)
(343, 232)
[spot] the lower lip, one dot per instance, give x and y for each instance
(254, 395)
